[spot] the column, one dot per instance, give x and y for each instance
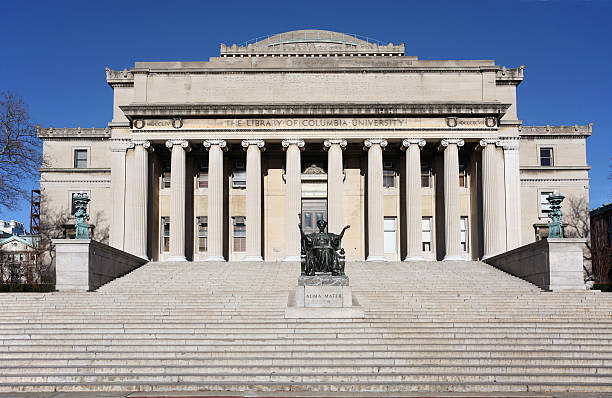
(512, 179)
(137, 198)
(177, 198)
(253, 199)
(215, 199)
(414, 214)
(376, 214)
(452, 227)
(335, 184)
(293, 197)
(492, 203)
(118, 149)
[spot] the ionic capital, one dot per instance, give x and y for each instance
(367, 144)
(221, 143)
(489, 141)
(182, 143)
(450, 141)
(145, 144)
(412, 141)
(334, 141)
(299, 143)
(259, 143)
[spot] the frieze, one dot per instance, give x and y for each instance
(338, 123)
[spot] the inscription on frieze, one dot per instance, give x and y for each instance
(314, 123)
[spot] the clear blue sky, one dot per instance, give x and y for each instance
(54, 52)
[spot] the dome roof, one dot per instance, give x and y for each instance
(312, 42)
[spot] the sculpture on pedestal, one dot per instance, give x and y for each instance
(322, 251)
(79, 202)
(555, 229)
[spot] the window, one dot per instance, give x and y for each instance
(390, 234)
(165, 234)
(546, 156)
(464, 233)
(202, 223)
(239, 175)
(426, 232)
(462, 176)
(425, 175)
(239, 234)
(80, 158)
(388, 174)
(544, 205)
(165, 175)
(203, 174)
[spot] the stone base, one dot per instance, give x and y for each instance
(323, 296)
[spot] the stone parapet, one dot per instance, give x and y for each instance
(548, 130)
(84, 264)
(551, 264)
(73, 132)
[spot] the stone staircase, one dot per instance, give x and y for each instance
(429, 327)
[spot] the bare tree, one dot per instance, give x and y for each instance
(20, 149)
(578, 225)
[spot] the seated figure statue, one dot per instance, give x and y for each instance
(320, 251)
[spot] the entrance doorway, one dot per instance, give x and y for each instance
(313, 210)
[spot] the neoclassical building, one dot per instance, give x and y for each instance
(215, 160)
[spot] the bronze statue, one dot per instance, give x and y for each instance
(322, 251)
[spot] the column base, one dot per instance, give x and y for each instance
(414, 258)
(292, 258)
(214, 258)
(253, 258)
(177, 258)
(453, 258)
(376, 258)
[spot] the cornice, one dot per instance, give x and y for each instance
(554, 168)
(135, 111)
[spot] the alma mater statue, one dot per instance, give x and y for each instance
(320, 251)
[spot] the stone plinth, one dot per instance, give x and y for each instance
(323, 296)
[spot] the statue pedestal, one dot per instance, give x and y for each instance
(323, 296)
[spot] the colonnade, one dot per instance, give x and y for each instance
(494, 218)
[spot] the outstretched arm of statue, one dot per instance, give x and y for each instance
(300, 226)
(344, 229)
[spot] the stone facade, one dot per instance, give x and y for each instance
(210, 160)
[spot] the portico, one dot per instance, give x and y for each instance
(242, 215)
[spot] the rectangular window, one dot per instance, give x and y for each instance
(165, 175)
(464, 233)
(202, 223)
(544, 205)
(609, 230)
(165, 234)
(425, 176)
(203, 174)
(239, 174)
(546, 156)
(462, 176)
(239, 234)
(390, 234)
(426, 233)
(388, 174)
(80, 158)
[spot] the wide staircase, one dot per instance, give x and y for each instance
(429, 327)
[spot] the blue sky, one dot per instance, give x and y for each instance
(54, 53)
